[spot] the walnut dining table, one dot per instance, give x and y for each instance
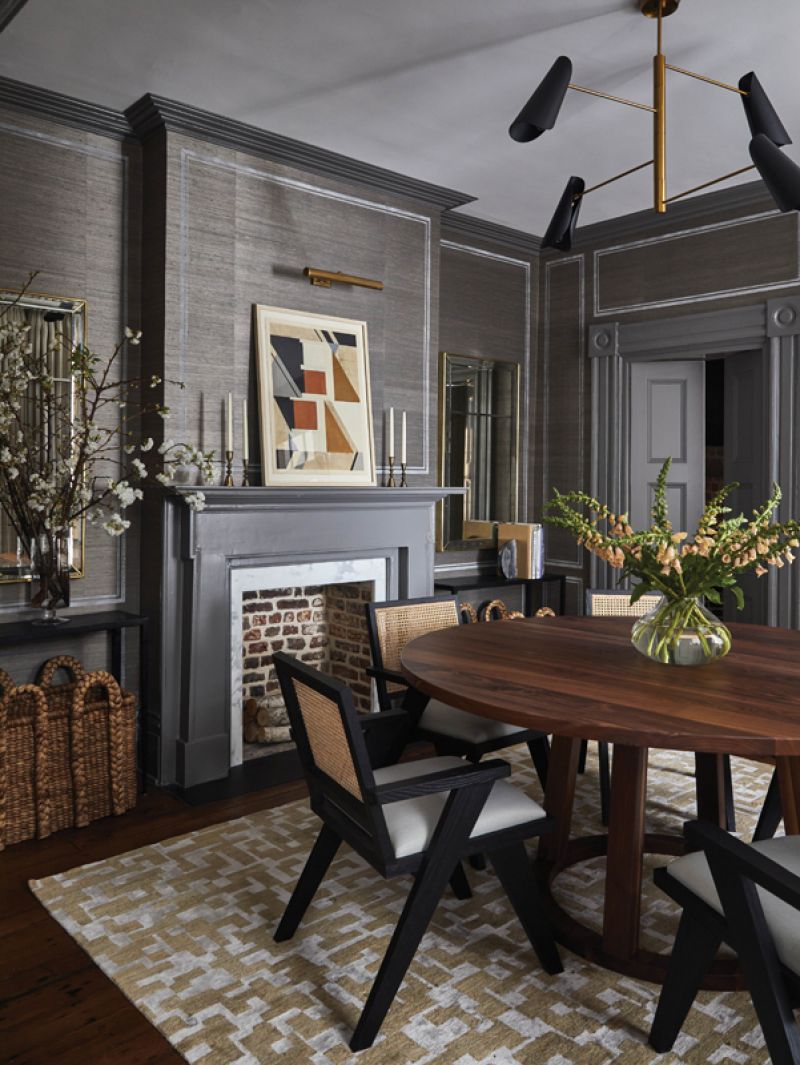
(580, 678)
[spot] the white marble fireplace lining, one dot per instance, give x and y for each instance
(297, 575)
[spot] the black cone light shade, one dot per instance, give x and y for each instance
(562, 225)
(781, 175)
(541, 111)
(761, 115)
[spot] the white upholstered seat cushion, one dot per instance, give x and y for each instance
(783, 920)
(461, 725)
(412, 822)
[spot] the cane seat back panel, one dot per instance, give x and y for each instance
(607, 604)
(330, 749)
(398, 624)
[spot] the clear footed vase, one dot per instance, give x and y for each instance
(681, 632)
(49, 554)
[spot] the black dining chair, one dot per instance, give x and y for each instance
(394, 624)
(747, 895)
(419, 818)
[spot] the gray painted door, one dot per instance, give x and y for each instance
(745, 462)
(668, 420)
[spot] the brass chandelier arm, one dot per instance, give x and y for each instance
(608, 96)
(616, 177)
(706, 184)
(710, 81)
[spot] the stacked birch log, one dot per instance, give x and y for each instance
(265, 724)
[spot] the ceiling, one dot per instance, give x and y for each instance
(429, 87)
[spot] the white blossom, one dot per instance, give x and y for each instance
(140, 467)
(196, 500)
(116, 525)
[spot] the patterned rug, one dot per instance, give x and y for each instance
(184, 928)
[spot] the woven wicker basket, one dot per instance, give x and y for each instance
(92, 726)
(67, 752)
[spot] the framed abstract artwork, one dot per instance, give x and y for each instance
(315, 407)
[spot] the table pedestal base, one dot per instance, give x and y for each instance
(724, 975)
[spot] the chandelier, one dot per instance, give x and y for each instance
(768, 135)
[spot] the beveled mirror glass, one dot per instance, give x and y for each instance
(478, 447)
(67, 317)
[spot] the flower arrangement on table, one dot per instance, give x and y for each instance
(684, 569)
(75, 453)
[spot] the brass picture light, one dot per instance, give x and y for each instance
(326, 278)
(781, 174)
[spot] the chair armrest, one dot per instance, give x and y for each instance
(446, 780)
(750, 863)
(394, 718)
(387, 675)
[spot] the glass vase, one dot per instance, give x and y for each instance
(50, 555)
(681, 632)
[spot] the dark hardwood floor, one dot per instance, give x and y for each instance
(56, 1006)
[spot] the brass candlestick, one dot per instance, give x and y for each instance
(403, 481)
(245, 478)
(391, 483)
(228, 481)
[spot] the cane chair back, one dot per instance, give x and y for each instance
(393, 625)
(322, 721)
(605, 603)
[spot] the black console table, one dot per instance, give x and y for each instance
(17, 633)
(488, 582)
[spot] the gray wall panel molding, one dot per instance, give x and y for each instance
(190, 156)
(67, 110)
(749, 198)
(9, 9)
(783, 316)
(783, 599)
(526, 426)
(576, 561)
(603, 340)
(461, 227)
(619, 249)
(152, 113)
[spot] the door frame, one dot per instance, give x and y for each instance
(772, 327)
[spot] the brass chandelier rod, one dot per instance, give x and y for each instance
(616, 177)
(710, 81)
(608, 96)
(707, 184)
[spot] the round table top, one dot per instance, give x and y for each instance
(582, 677)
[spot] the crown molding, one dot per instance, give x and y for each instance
(749, 198)
(9, 9)
(466, 226)
(68, 110)
(153, 113)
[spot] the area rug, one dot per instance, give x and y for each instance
(184, 928)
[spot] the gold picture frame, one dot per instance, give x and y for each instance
(315, 405)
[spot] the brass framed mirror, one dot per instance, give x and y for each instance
(48, 316)
(478, 448)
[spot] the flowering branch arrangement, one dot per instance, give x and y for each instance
(70, 446)
(683, 568)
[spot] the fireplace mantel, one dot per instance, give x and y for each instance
(253, 527)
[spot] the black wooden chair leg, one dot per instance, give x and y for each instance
(771, 812)
(730, 806)
(449, 839)
(319, 860)
(582, 756)
(540, 755)
(695, 947)
(478, 861)
(605, 781)
(514, 871)
(459, 883)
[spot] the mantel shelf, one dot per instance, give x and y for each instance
(219, 497)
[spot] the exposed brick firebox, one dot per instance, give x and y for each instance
(323, 625)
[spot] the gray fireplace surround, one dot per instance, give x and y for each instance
(254, 527)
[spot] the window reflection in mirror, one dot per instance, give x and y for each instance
(48, 317)
(478, 447)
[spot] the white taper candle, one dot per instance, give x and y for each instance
(229, 425)
(391, 432)
(245, 433)
(403, 439)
